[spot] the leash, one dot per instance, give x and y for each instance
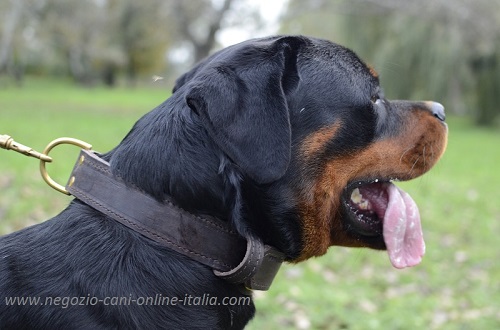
(208, 240)
(8, 143)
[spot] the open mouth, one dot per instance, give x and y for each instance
(379, 208)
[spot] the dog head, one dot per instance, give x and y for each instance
(316, 144)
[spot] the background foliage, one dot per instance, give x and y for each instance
(446, 50)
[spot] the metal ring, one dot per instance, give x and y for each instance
(48, 148)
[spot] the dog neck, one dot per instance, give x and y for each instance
(178, 160)
(239, 260)
(166, 154)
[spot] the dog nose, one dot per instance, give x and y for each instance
(437, 110)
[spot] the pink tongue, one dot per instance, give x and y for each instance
(402, 230)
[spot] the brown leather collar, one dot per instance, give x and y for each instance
(203, 238)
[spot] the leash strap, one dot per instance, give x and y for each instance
(205, 239)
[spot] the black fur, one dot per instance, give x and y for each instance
(227, 144)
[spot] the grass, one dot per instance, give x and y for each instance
(456, 287)
(44, 110)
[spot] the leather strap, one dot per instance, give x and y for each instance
(205, 239)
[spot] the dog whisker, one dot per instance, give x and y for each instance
(404, 153)
(413, 166)
(423, 155)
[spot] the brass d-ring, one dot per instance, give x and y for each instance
(48, 148)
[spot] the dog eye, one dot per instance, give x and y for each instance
(378, 96)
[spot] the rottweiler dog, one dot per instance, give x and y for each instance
(287, 138)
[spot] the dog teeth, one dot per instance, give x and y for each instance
(364, 205)
(356, 196)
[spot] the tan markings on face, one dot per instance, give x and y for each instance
(411, 154)
(372, 71)
(316, 141)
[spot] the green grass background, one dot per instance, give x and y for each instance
(457, 286)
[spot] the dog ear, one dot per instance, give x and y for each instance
(241, 102)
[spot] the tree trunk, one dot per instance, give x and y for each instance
(487, 71)
(10, 22)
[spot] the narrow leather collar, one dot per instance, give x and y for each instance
(203, 238)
